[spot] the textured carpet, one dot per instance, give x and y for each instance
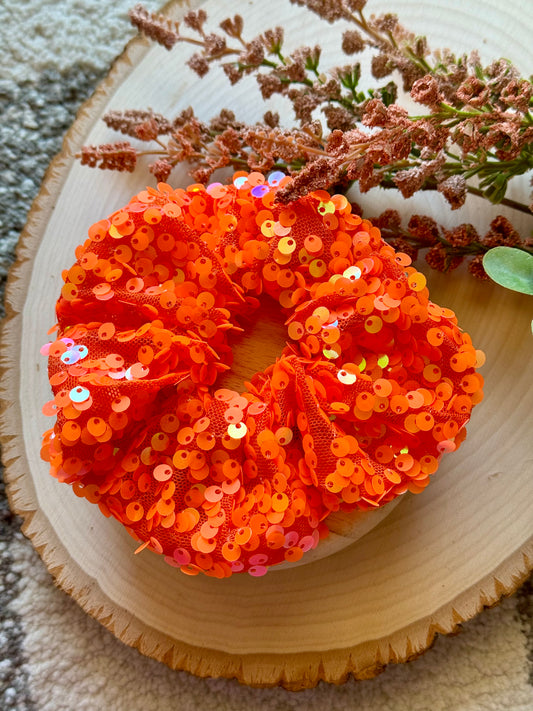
(52, 655)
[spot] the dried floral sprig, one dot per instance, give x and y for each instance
(484, 112)
(295, 75)
(445, 249)
(110, 156)
(206, 147)
(473, 136)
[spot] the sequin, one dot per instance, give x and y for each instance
(79, 394)
(352, 273)
(275, 178)
(237, 431)
(317, 268)
(287, 245)
(417, 281)
(345, 377)
(163, 472)
(96, 426)
(296, 330)
(373, 324)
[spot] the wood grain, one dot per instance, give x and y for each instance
(432, 562)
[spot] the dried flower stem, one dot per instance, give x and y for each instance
(474, 137)
(446, 249)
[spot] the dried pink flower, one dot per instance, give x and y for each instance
(410, 71)
(110, 156)
(199, 64)
(412, 152)
(388, 220)
(426, 91)
(507, 137)
(273, 39)
(196, 20)
(502, 233)
(233, 72)
(438, 258)
(476, 268)
(147, 130)
(215, 45)
(233, 27)
(314, 175)
(381, 66)
(375, 114)
(230, 140)
(271, 118)
(473, 92)
(352, 42)
(225, 119)
(254, 53)
(127, 121)
(329, 10)
(468, 135)
(367, 176)
(270, 84)
(425, 229)
(410, 181)
(462, 236)
(202, 174)
(337, 117)
(428, 135)
(501, 72)
(156, 27)
(161, 169)
(355, 5)
(454, 190)
(517, 94)
(386, 23)
(304, 103)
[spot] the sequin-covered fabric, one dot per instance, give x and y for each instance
(375, 384)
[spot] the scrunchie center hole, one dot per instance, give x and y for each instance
(261, 343)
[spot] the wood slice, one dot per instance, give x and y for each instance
(432, 562)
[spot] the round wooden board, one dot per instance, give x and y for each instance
(433, 562)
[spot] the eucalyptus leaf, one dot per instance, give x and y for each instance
(510, 267)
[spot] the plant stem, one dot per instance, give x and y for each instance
(504, 201)
(388, 184)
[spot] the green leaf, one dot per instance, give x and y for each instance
(510, 267)
(389, 93)
(497, 187)
(356, 73)
(350, 77)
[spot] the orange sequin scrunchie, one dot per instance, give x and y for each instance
(375, 383)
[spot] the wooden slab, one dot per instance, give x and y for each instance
(432, 563)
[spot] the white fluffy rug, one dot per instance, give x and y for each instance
(54, 657)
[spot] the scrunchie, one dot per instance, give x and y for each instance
(375, 383)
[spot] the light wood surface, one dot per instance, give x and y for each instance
(431, 563)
